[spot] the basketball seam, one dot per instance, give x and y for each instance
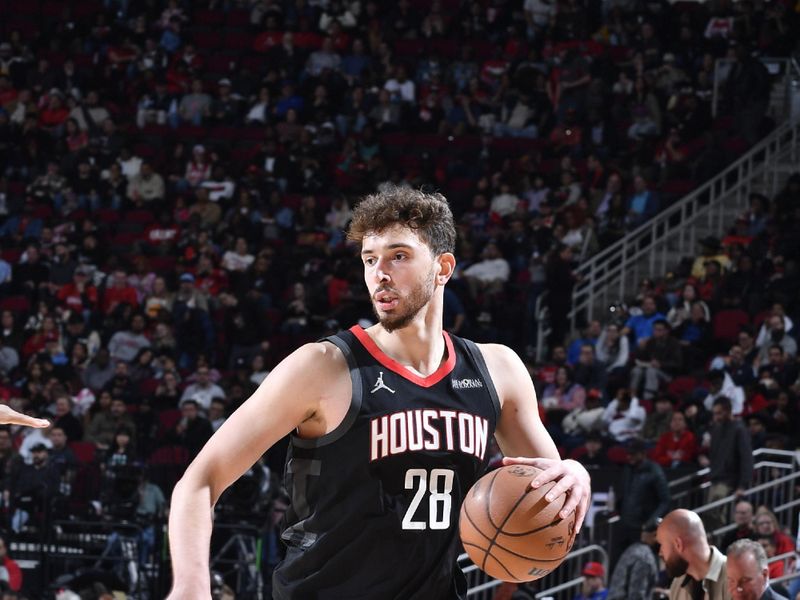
(489, 514)
(499, 530)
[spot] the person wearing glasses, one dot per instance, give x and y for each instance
(748, 572)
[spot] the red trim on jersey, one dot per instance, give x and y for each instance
(444, 369)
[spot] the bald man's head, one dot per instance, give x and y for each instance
(682, 537)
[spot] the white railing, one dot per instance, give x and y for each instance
(649, 249)
(565, 577)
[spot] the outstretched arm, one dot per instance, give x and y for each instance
(288, 398)
(8, 416)
(523, 438)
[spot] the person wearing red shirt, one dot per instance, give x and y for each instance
(676, 447)
(118, 292)
(80, 294)
(9, 569)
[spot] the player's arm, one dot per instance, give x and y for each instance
(523, 438)
(8, 416)
(300, 392)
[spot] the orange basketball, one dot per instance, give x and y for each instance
(508, 528)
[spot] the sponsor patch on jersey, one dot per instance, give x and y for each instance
(466, 384)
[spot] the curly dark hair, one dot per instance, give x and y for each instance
(426, 213)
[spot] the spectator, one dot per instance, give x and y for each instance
(489, 275)
(66, 420)
(560, 281)
(593, 454)
(743, 519)
(636, 572)
(145, 187)
(217, 413)
(100, 371)
(624, 416)
(657, 363)
(777, 337)
(722, 386)
(728, 457)
(593, 586)
(583, 420)
(10, 573)
(711, 249)
(588, 371)
(563, 394)
(678, 446)
(125, 345)
(31, 489)
(681, 311)
(642, 205)
(644, 495)
(766, 525)
(749, 573)
(685, 551)
(658, 422)
(195, 106)
(203, 391)
(193, 430)
(640, 326)
(105, 423)
(118, 292)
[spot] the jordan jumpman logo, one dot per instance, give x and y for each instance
(379, 385)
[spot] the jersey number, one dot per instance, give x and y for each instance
(440, 502)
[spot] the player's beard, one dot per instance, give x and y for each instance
(676, 566)
(410, 305)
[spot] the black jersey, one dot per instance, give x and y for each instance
(375, 503)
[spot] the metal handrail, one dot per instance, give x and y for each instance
(753, 490)
(492, 583)
(795, 456)
(610, 264)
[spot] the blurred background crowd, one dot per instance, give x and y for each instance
(175, 179)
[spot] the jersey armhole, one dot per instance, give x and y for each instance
(477, 356)
(355, 400)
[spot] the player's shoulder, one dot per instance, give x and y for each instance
(500, 355)
(322, 355)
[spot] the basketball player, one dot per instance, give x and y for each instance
(389, 427)
(8, 416)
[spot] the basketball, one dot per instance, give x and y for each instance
(509, 530)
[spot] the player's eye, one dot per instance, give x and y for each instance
(369, 261)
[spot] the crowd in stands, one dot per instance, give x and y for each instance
(175, 179)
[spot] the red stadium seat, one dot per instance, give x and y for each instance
(618, 455)
(727, 323)
(682, 386)
(83, 451)
(17, 304)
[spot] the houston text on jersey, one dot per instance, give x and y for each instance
(426, 430)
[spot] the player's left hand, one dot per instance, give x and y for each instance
(570, 477)
(8, 416)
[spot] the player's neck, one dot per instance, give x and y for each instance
(420, 346)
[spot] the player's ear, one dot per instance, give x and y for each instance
(447, 264)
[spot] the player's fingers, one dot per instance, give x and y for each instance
(580, 514)
(570, 505)
(550, 473)
(20, 419)
(561, 487)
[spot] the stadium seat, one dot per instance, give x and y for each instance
(84, 451)
(727, 323)
(618, 454)
(16, 304)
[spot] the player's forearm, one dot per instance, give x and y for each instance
(190, 525)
